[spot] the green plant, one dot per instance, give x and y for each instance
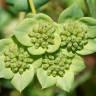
(53, 51)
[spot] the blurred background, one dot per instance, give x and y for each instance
(13, 11)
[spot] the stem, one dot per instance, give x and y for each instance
(21, 16)
(32, 6)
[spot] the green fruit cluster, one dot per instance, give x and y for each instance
(17, 59)
(42, 34)
(73, 36)
(56, 64)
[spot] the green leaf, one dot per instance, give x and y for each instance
(88, 21)
(30, 15)
(34, 51)
(55, 47)
(4, 43)
(66, 82)
(20, 82)
(89, 48)
(44, 79)
(91, 23)
(72, 12)
(92, 7)
(21, 31)
(91, 32)
(5, 72)
(43, 17)
(39, 16)
(77, 64)
(36, 64)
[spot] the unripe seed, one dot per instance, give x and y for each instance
(51, 62)
(27, 66)
(61, 73)
(54, 73)
(75, 45)
(49, 72)
(21, 71)
(63, 44)
(51, 57)
(7, 65)
(45, 66)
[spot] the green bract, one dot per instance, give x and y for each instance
(59, 69)
(16, 63)
(78, 32)
(53, 50)
(40, 34)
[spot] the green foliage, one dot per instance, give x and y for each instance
(92, 7)
(18, 6)
(53, 51)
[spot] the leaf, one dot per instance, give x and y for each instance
(5, 73)
(44, 79)
(89, 48)
(73, 12)
(34, 51)
(39, 16)
(30, 15)
(91, 32)
(40, 3)
(88, 20)
(37, 63)
(21, 31)
(66, 82)
(92, 7)
(55, 47)
(20, 82)
(4, 43)
(42, 17)
(77, 64)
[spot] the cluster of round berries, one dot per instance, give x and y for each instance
(74, 35)
(56, 64)
(42, 35)
(17, 59)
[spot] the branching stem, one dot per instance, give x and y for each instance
(32, 6)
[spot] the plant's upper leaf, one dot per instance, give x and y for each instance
(41, 16)
(91, 32)
(66, 82)
(92, 7)
(4, 43)
(37, 64)
(88, 20)
(72, 12)
(44, 79)
(89, 48)
(21, 31)
(22, 81)
(91, 23)
(34, 51)
(5, 72)
(55, 47)
(77, 64)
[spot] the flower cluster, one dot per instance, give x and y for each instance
(56, 64)
(51, 50)
(42, 35)
(74, 35)
(17, 59)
